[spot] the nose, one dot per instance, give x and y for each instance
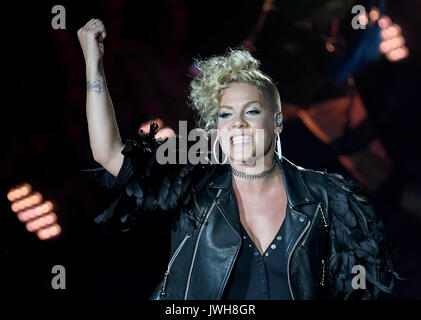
(239, 122)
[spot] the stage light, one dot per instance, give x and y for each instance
(267, 5)
(41, 222)
(397, 54)
(49, 232)
(34, 212)
(27, 201)
(19, 192)
(393, 43)
(385, 22)
(391, 32)
(330, 47)
(374, 14)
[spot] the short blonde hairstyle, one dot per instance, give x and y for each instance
(216, 73)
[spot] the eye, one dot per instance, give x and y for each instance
(224, 115)
(253, 111)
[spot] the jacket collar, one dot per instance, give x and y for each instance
(296, 189)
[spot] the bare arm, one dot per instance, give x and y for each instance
(104, 136)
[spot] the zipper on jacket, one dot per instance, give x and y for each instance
(319, 207)
(290, 254)
(322, 281)
(197, 242)
(163, 292)
(324, 218)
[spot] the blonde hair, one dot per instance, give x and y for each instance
(216, 73)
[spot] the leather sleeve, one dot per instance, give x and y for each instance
(357, 238)
(106, 180)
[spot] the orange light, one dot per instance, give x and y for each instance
(397, 54)
(267, 6)
(14, 207)
(385, 46)
(47, 206)
(41, 222)
(27, 214)
(26, 202)
(19, 192)
(391, 44)
(391, 32)
(385, 22)
(12, 195)
(374, 14)
(30, 209)
(330, 47)
(36, 211)
(49, 232)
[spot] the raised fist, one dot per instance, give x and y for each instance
(91, 37)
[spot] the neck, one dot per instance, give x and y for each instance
(257, 185)
(267, 185)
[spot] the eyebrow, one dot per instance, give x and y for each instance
(244, 105)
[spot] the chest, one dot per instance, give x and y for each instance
(262, 216)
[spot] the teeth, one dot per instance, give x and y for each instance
(241, 139)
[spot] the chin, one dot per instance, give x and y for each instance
(242, 152)
(247, 157)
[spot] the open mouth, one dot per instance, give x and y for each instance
(241, 139)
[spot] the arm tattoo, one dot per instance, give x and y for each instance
(95, 86)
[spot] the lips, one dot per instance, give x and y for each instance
(240, 139)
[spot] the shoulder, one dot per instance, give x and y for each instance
(311, 176)
(301, 178)
(334, 184)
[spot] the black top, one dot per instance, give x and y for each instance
(260, 277)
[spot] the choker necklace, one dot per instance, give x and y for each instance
(254, 176)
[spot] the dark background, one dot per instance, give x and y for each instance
(148, 52)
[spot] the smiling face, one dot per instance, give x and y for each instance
(246, 126)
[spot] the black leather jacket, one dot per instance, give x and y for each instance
(203, 258)
(332, 228)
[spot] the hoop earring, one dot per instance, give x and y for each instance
(278, 150)
(214, 153)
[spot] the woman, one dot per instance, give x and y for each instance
(256, 227)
